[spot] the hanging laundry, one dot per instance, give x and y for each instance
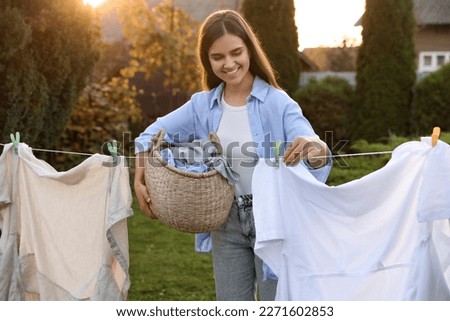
(64, 234)
(385, 236)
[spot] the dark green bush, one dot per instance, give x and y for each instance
(431, 104)
(327, 105)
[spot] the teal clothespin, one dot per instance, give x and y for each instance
(277, 148)
(15, 141)
(112, 148)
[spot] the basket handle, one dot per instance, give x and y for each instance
(158, 140)
(216, 141)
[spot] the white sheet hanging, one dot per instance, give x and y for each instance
(64, 233)
(385, 236)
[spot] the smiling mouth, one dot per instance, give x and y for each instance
(232, 72)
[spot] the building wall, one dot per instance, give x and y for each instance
(432, 49)
(431, 38)
(305, 76)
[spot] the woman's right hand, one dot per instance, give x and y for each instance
(144, 200)
(140, 188)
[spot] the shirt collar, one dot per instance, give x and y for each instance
(259, 91)
(216, 95)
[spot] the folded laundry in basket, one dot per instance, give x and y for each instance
(199, 156)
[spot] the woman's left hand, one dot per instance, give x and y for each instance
(313, 150)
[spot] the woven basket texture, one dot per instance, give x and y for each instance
(187, 201)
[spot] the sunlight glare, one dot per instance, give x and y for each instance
(93, 3)
(328, 22)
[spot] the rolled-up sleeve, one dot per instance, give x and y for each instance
(179, 125)
(296, 125)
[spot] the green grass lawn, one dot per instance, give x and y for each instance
(164, 265)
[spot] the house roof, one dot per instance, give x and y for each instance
(429, 12)
(331, 59)
(307, 63)
(432, 12)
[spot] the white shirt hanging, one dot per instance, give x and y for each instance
(385, 236)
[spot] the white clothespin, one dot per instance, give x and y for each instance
(277, 153)
(15, 141)
(112, 148)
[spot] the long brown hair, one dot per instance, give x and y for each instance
(231, 22)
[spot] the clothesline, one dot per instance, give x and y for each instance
(58, 151)
(334, 156)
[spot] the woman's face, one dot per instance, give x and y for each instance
(230, 60)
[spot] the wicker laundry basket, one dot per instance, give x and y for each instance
(187, 201)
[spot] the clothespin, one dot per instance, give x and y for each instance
(15, 141)
(277, 153)
(435, 136)
(112, 148)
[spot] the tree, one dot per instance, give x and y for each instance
(162, 41)
(48, 48)
(385, 69)
(274, 23)
(104, 111)
(23, 91)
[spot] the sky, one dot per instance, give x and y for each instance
(327, 22)
(321, 22)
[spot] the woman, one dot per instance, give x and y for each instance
(245, 106)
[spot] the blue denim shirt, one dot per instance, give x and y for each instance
(273, 116)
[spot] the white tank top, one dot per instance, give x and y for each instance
(236, 139)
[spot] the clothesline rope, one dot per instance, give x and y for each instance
(61, 152)
(57, 151)
(317, 157)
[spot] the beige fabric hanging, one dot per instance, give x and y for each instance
(64, 234)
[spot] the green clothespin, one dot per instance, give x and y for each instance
(277, 148)
(15, 141)
(112, 148)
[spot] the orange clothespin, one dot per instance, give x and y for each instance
(435, 136)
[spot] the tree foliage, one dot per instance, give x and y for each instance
(274, 23)
(106, 109)
(385, 69)
(103, 112)
(47, 50)
(162, 40)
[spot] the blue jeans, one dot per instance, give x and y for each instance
(237, 270)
